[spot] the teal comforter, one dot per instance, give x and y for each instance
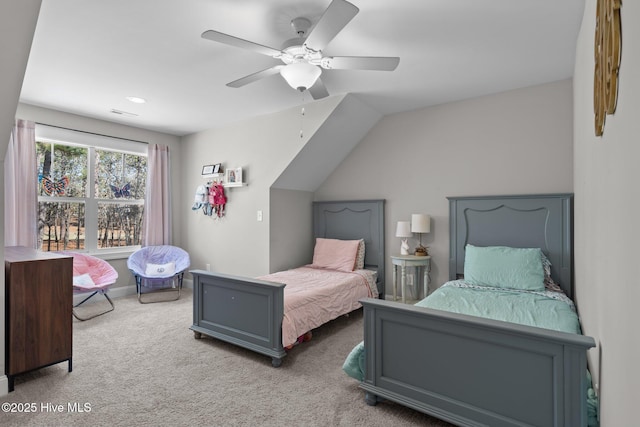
(549, 310)
(546, 309)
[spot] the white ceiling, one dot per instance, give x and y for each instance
(88, 55)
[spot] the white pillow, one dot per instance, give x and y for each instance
(83, 281)
(160, 270)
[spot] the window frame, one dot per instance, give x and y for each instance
(92, 142)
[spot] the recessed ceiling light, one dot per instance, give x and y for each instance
(136, 99)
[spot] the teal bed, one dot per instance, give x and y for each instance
(496, 348)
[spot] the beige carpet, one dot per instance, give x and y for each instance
(141, 366)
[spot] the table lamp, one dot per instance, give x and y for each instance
(403, 230)
(420, 223)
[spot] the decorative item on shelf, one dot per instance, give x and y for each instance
(403, 229)
(211, 169)
(233, 176)
(421, 223)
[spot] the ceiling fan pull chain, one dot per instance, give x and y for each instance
(302, 117)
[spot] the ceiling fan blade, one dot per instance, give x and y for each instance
(334, 19)
(241, 43)
(255, 76)
(318, 91)
(379, 63)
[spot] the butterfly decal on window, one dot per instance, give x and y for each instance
(121, 191)
(52, 187)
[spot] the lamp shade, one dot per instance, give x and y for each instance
(403, 229)
(301, 75)
(420, 223)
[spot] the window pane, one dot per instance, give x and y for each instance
(120, 175)
(119, 224)
(60, 226)
(62, 170)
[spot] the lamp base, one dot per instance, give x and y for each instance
(421, 251)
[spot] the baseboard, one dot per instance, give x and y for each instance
(122, 291)
(4, 385)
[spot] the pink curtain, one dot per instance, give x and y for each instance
(157, 211)
(21, 187)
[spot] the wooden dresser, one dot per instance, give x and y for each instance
(39, 299)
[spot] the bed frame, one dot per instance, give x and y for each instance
(472, 371)
(249, 312)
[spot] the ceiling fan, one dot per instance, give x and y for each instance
(302, 56)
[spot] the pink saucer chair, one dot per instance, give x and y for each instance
(91, 275)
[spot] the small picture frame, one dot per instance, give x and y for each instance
(233, 175)
(216, 168)
(208, 169)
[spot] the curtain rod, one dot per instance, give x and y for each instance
(92, 133)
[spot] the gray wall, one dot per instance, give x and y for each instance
(607, 234)
(263, 147)
(509, 143)
(291, 229)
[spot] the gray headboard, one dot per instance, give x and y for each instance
(353, 220)
(542, 221)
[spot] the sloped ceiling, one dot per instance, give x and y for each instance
(330, 144)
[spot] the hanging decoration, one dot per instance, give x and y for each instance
(217, 200)
(55, 188)
(211, 199)
(123, 191)
(302, 114)
(608, 45)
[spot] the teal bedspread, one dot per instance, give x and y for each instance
(546, 309)
(549, 310)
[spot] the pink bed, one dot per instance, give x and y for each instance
(314, 296)
(269, 314)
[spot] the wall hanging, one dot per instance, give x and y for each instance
(608, 45)
(211, 197)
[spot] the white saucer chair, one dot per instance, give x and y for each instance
(158, 269)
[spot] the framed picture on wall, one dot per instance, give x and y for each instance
(233, 175)
(216, 168)
(207, 169)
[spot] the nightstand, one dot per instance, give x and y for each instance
(404, 261)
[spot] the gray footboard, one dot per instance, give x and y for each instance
(474, 371)
(245, 312)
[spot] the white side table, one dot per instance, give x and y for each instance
(405, 261)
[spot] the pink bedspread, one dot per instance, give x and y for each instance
(315, 296)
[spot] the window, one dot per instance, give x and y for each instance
(91, 190)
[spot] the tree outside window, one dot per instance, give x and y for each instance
(74, 215)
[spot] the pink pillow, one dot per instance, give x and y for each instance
(335, 254)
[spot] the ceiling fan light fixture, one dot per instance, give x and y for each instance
(301, 75)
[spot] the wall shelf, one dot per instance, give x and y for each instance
(219, 177)
(234, 184)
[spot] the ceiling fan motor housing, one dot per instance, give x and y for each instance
(301, 26)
